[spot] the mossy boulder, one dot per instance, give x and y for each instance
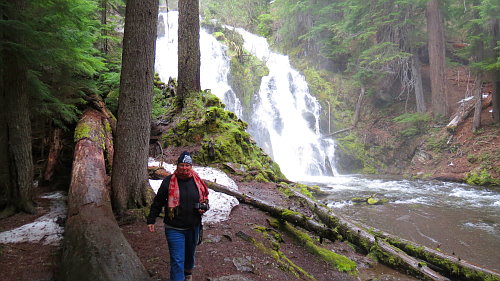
(220, 135)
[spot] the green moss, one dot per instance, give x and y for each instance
(448, 268)
(82, 130)
(340, 262)
(220, 134)
(107, 127)
(351, 146)
(285, 189)
(287, 212)
(284, 263)
(481, 177)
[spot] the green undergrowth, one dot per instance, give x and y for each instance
(203, 121)
(340, 262)
(275, 239)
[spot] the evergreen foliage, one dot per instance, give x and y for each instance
(59, 55)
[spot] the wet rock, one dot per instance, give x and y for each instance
(420, 156)
(244, 264)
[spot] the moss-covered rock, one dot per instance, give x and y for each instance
(221, 136)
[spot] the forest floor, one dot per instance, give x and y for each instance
(223, 254)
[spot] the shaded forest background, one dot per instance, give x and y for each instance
(377, 66)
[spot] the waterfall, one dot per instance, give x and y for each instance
(285, 116)
(214, 61)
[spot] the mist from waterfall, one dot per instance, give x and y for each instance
(285, 116)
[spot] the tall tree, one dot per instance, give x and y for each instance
(129, 177)
(436, 46)
(189, 48)
(419, 90)
(16, 161)
(495, 69)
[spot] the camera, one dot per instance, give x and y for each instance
(202, 206)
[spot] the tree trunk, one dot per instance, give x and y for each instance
(495, 31)
(437, 59)
(94, 247)
(357, 111)
(56, 146)
(104, 20)
(496, 99)
(189, 48)
(417, 77)
(17, 159)
(478, 107)
(130, 176)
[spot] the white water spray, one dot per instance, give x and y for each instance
(285, 117)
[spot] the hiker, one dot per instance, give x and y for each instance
(185, 198)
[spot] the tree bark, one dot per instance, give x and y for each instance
(17, 159)
(478, 107)
(189, 48)
(437, 59)
(495, 32)
(56, 146)
(130, 178)
(104, 33)
(419, 91)
(357, 111)
(94, 247)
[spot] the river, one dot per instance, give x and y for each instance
(457, 218)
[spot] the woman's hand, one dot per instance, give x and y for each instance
(151, 227)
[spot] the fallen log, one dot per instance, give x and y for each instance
(447, 265)
(94, 247)
(353, 233)
(279, 212)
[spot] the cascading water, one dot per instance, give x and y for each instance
(457, 217)
(285, 117)
(214, 61)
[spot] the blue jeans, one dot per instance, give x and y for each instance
(182, 246)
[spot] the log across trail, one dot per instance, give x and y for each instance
(416, 260)
(94, 247)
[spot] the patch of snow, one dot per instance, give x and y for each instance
(44, 229)
(466, 99)
(220, 204)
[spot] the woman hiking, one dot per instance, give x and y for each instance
(184, 196)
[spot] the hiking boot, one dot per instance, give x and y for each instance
(189, 277)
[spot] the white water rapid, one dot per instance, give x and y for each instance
(285, 117)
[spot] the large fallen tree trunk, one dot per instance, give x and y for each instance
(354, 234)
(94, 247)
(279, 212)
(450, 266)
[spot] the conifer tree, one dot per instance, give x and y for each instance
(129, 177)
(16, 176)
(189, 48)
